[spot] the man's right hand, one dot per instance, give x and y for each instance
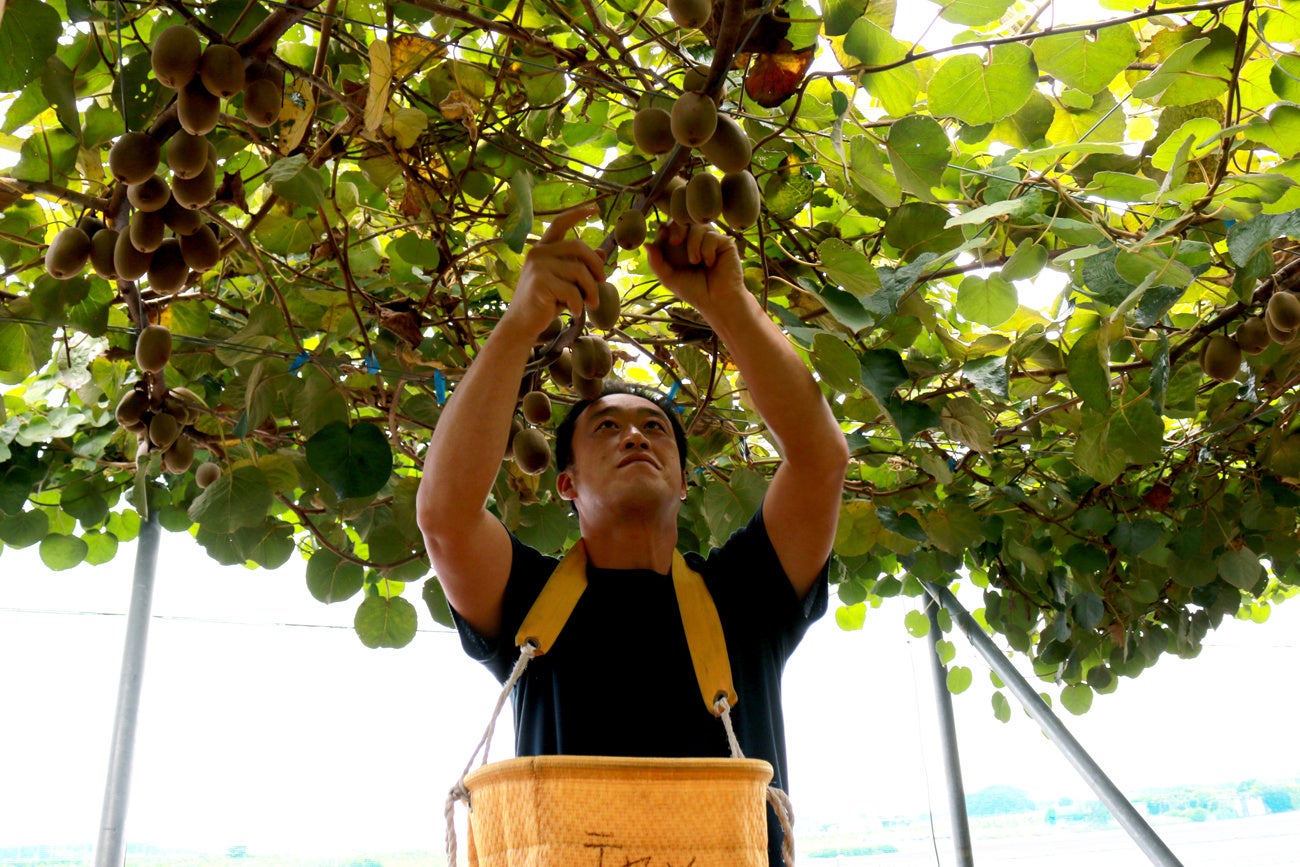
(558, 275)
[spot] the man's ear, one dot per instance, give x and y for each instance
(564, 486)
(684, 488)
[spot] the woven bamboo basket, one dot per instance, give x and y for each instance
(573, 811)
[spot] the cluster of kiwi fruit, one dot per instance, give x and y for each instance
(1280, 322)
(159, 416)
(202, 77)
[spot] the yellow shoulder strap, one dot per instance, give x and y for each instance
(704, 638)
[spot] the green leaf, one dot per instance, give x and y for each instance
(24, 348)
(1087, 62)
(1001, 707)
(356, 461)
(839, 15)
(965, 421)
(295, 179)
(953, 529)
(240, 498)
(851, 618)
(57, 85)
(1240, 568)
(857, 530)
(989, 374)
(1131, 538)
(1088, 610)
(911, 417)
(978, 92)
(519, 222)
(385, 622)
(330, 578)
(1026, 263)
(1138, 431)
(973, 13)
(919, 151)
(60, 552)
(1094, 453)
(837, 363)
(436, 601)
(418, 251)
(916, 624)
(29, 36)
(24, 529)
(1077, 698)
(959, 679)
(988, 300)
(1089, 375)
(848, 267)
(882, 372)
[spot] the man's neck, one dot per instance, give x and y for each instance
(620, 543)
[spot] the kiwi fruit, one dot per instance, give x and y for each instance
(134, 157)
(690, 14)
(147, 230)
(1222, 358)
(1251, 335)
(532, 452)
(197, 110)
(591, 357)
(163, 429)
(676, 255)
(68, 253)
(537, 407)
(196, 192)
(206, 474)
(677, 206)
(1284, 311)
(167, 268)
(1277, 334)
(652, 130)
(175, 56)
(588, 389)
(90, 225)
(605, 315)
(740, 199)
(179, 457)
(694, 119)
(221, 69)
(262, 98)
(694, 78)
(153, 348)
(180, 219)
(728, 148)
(132, 407)
(150, 194)
(665, 195)
(200, 249)
(704, 197)
(550, 332)
(128, 262)
(101, 253)
(561, 369)
(187, 154)
(515, 427)
(629, 229)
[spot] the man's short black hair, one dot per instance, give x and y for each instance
(564, 433)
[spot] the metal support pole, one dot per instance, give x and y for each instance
(111, 848)
(1120, 806)
(948, 739)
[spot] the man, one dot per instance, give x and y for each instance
(619, 680)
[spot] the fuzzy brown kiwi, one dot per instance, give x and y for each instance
(134, 157)
(704, 197)
(536, 407)
(187, 154)
(728, 148)
(132, 407)
(175, 56)
(561, 369)
(1252, 336)
(605, 316)
(196, 192)
(690, 14)
(591, 357)
(740, 200)
(90, 225)
(206, 474)
(1278, 336)
(200, 249)
(588, 389)
(675, 255)
(101, 253)
(262, 99)
(180, 457)
(665, 195)
(151, 194)
(167, 268)
(629, 229)
(163, 430)
(551, 332)
(652, 130)
(68, 253)
(694, 78)
(1284, 311)
(694, 119)
(128, 262)
(531, 450)
(147, 231)
(197, 110)
(180, 219)
(222, 70)
(153, 348)
(677, 206)
(1222, 358)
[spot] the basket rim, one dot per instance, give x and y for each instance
(596, 767)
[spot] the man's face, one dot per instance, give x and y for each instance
(624, 454)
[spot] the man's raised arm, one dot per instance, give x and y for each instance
(468, 546)
(802, 503)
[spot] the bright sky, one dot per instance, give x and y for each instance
(298, 738)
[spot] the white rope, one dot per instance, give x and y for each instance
(459, 792)
(779, 800)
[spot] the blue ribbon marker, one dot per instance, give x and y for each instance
(299, 360)
(372, 366)
(439, 387)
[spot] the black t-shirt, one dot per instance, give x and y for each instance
(619, 680)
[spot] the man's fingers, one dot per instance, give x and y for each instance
(567, 220)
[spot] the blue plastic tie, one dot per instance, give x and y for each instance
(439, 387)
(372, 366)
(299, 360)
